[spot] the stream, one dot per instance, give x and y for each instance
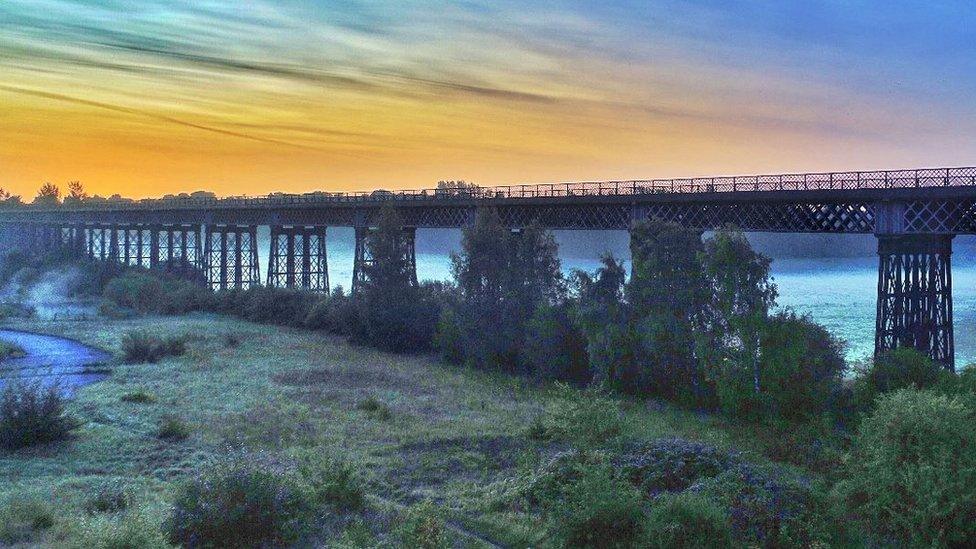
(52, 359)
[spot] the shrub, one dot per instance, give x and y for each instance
(447, 339)
(422, 526)
(240, 503)
(336, 314)
(585, 418)
(911, 474)
(173, 428)
(672, 465)
(767, 507)
(284, 307)
(545, 483)
(140, 347)
(401, 321)
(139, 291)
(32, 414)
(375, 409)
(597, 510)
(895, 369)
(555, 347)
(23, 517)
(686, 521)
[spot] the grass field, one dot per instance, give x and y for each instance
(415, 429)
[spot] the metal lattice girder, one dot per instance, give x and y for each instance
(941, 216)
(298, 258)
(915, 295)
(231, 255)
(853, 217)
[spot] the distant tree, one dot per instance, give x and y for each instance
(459, 187)
(48, 194)
(4, 195)
(76, 192)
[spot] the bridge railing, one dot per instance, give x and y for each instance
(929, 177)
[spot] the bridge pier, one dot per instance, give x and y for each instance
(915, 295)
(231, 255)
(298, 258)
(364, 257)
(176, 248)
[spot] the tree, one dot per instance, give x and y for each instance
(669, 299)
(76, 192)
(502, 277)
(48, 194)
(742, 295)
(394, 314)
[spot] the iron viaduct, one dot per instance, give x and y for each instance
(914, 213)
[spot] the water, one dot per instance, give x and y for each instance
(50, 360)
(838, 292)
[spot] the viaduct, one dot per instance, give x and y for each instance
(914, 213)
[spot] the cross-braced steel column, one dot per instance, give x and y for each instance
(177, 248)
(231, 253)
(364, 256)
(298, 258)
(915, 295)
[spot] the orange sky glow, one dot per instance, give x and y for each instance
(163, 96)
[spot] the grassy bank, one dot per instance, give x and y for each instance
(413, 429)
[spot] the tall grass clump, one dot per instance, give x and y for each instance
(141, 347)
(32, 414)
(585, 418)
(23, 518)
(421, 526)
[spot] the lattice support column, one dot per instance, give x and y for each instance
(178, 249)
(298, 258)
(364, 256)
(915, 295)
(231, 255)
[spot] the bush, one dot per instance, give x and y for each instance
(173, 428)
(241, 503)
(546, 483)
(284, 307)
(672, 465)
(911, 475)
(23, 517)
(597, 510)
(555, 347)
(584, 418)
(422, 526)
(141, 347)
(895, 369)
(767, 507)
(256, 501)
(404, 321)
(32, 414)
(336, 314)
(139, 291)
(686, 521)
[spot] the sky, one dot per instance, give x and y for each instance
(148, 97)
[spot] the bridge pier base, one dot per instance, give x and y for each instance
(231, 255)
(915, 295)
(407, 244)
(298, 258)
